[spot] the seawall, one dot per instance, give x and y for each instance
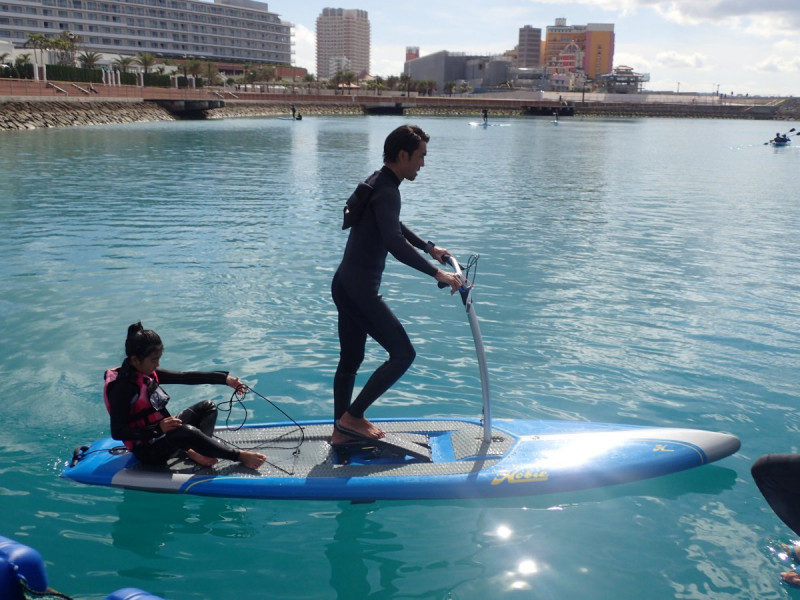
(20, 113)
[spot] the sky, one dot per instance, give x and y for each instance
(730, 46)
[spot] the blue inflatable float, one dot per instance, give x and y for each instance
(22, 567)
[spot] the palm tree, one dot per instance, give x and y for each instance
(145, 60)
(348, 79)
(21, 64)
(65, 46)
(405, 81)
(89, 59)
(122, 63)
(379, 84)
(39, 42)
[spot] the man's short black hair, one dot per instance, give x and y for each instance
(405, 137)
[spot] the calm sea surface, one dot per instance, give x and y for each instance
(633, 271)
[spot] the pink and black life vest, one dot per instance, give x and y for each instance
(145, 407)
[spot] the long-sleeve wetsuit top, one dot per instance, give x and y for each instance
(122, 392)
(379, 232)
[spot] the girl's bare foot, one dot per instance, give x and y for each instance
(791, 551)
(251, 460)
(791, 577)
(205, 461)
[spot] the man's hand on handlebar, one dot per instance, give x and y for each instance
(449, 279)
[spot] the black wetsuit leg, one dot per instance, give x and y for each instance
(193, 434)
(778, 478)
(360, 316)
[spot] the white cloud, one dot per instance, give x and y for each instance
(777, 64)
(676, 60)
(305, 48)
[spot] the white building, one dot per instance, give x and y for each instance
(223, 30)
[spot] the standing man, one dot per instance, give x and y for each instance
(355, 287)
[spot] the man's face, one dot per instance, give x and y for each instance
(410, 164)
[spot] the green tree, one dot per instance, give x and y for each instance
(21, 64)
(65, 47)
(348, 79)
(39, 43)
(405, 82)
(145, 60)
(122, 63)
(89, 59)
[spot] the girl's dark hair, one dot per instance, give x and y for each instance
(141, 342)
(405, 137)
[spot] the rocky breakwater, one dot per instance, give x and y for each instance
(22, 114)
(234, 109)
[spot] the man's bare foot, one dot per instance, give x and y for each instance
(251, 460)
(791, 577)
(337, 437)
(360, 426)
(200, 459)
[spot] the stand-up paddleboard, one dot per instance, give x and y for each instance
(443, 458)
(522, 458)
(479, 124)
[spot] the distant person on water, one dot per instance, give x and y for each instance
(294, 112)
(137, 405)
(778, 479)
(355, 287)
(485, 113)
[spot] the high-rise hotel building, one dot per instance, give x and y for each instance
(343, 38)
(222, 30)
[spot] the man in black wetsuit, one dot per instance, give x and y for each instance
(355, 286)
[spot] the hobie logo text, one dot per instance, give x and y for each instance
(520, 476)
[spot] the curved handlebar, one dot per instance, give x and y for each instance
(449, 258)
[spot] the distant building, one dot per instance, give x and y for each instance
(623, 80)
(223, 30)
(412, 53)
(530, 48)
(473, 71)
(343, 42)
(571, 48)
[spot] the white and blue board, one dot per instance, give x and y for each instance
(443, 458)
(522, 458)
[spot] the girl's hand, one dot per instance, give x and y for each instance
(234, 382)
(169, 424)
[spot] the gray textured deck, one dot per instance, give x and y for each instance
(307, 453)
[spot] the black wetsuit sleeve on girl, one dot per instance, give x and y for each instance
(121, 393)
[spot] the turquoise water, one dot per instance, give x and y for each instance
(633, 271)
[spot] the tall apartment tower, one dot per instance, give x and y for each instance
(530, 47)
(343, 37)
